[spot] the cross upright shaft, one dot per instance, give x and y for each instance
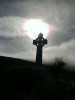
(39, 42)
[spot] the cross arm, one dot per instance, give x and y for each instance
(34, 42)
(45, 41)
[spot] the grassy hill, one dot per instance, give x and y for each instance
(24, 80)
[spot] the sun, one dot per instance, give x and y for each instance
(33, 27)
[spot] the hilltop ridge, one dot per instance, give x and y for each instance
(24, 80)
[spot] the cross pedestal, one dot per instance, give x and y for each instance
(39, 42)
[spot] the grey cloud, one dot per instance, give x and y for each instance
(11, 26)
(58, 37)
(46, 8)
(12, 40)
(31, 56)
(15, 45)
(65, 50)
(11, 0)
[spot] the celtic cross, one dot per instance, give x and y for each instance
(39, 42)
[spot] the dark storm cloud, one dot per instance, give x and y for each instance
(48, 7)
(14, 44)
(58, 1)
(11, 0)
(60, 37)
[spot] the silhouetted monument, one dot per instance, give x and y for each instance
(39, 42)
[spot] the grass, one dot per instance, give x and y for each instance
(23, 80)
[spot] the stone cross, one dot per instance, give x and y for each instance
(39, 42)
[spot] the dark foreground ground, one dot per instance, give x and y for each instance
(23, 80)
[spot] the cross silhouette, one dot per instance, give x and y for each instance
(39, 42)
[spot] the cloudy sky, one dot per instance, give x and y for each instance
(57, 13)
